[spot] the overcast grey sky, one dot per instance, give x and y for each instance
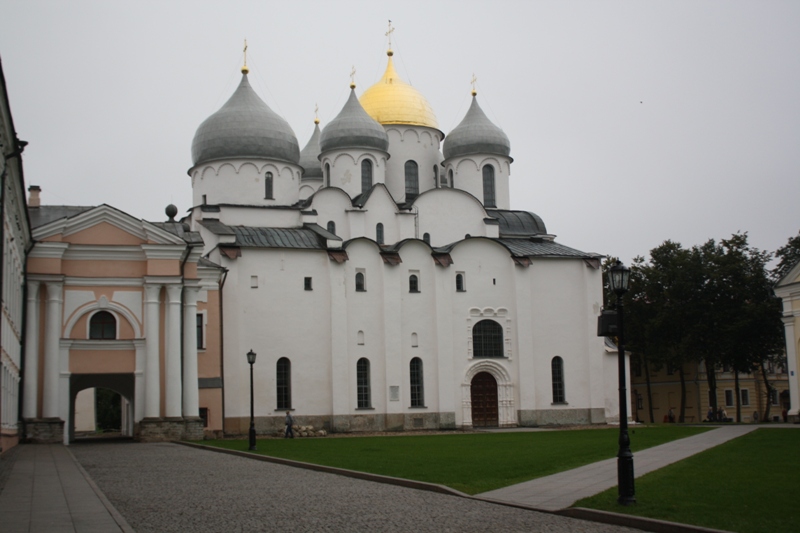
(630, 122)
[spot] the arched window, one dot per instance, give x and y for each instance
(460, 283)
(103, 325)
(363, 393)
(426, 238)
(268, 185)
(366, 175)
(488, 186)
(413, 283)
(412, 180)
(332, 227)
(557, 366)
(327, 174)
(284, 383)
(451, 181)
(379, 233)
(417, 389)
(436, 175)
(487, 339)
(361, 286)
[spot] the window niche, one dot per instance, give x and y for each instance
(416, 383)
(268, 186)
(413, 282)
(557, 372)
(361, 281)
(103, 326)
(363, 388)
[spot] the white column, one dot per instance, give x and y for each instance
(191, 402)
(52, 336)
(152, 403)
(791, 361)
(31, 395)
(139, 380)
(172, 368)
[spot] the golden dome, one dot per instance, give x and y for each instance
(393, 101)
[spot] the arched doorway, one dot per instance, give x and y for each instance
(118, 391)
(483, 393)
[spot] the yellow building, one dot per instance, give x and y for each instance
(665, 387)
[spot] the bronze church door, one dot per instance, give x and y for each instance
(484, 400)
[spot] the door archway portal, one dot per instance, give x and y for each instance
(483, 393)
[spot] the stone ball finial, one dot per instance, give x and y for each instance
(171, 211)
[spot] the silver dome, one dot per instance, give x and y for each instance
(245, 127)
(476, 134)
(309, 156)
(353, 128)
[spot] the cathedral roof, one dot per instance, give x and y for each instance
(518, 223)
(309, 156)
(353, 128)
(393, 101)
(245, 127)
(476, 134)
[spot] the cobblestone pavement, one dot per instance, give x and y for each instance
(168, 487)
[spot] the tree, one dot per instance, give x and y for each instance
(788, 255)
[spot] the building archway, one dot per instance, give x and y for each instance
(123, 384)
(502, 399)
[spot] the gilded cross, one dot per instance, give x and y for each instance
(389, 33)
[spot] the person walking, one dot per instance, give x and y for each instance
(289, 423)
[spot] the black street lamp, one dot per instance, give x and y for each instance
(618, 277)
(251, 358)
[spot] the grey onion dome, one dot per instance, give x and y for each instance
(309, 156)
(353, 128)
(245, 127)
(476, 134)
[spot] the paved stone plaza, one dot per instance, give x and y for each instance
(168, 487)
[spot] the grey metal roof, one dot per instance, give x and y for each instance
(48, 213)
(245, 127)
(517, 223)
(476, 134)
(309, 156)
(276, 238)
(254, 237)
(180, 229)
(353, 128)
(542, 248)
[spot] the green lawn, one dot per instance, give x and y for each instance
(750, 484)
(471, 462)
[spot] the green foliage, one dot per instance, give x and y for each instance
(108, 410)
(471, 463)
(788, 255)
(748, 485)
(712, 302)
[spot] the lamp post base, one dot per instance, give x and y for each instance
(252, 438)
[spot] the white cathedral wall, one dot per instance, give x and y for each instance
(278, 318)
(490, 294)
(345, 168)
(241, 181)
(449, 215)
(566, 295)
(258, 217)
(333, 204)
(546, 309)
(468, 177)
(415, 143)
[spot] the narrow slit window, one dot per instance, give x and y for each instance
(488, 186)
(557, 369)
(412, 180)
(366, 175)
(268, 186)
